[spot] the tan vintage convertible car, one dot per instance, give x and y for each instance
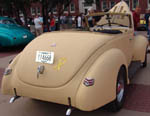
(82, 69)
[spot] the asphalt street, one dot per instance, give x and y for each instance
(137, 102)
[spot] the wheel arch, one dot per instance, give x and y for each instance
(105, 81)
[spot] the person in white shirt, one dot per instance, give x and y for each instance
(38, 26)
(79, 19)
(41, 18)
(22, 20)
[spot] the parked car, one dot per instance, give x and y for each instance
(81, 69)
(12, 34)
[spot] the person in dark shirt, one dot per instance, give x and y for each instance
(136, 17)
(147, 22)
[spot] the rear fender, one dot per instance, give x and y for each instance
(6, 85)
(139, 49)
(104, 72)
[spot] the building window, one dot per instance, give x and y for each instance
(20, 13)
(128, 2)
(65, 9)
(72, 7)
(104, 5)
(55, 10)
(148, 4)
(87, 4)
(112, 3)
(33, 11)
(135, 3)
(38, 10)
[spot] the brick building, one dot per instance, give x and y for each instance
(107, 4)
(144, 4)
(73, 8)
(79, 6)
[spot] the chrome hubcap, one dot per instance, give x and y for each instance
(120, 91)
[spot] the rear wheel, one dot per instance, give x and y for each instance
(121, 85)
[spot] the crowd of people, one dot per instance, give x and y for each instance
(64, 22)
(68, 21)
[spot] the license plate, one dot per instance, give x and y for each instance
(45, 57)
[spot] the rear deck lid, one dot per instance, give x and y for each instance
(69, 51)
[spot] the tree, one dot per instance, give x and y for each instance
(7, 6)
(22, 5)
(15, 7)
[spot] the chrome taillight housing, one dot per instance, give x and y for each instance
(7, 71)
(89, 82)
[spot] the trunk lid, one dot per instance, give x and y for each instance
(71, 50)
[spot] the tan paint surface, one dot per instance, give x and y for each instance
(76, 48)
(86, 54)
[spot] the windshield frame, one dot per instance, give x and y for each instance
(108, 13)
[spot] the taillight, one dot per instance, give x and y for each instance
(8, 71)
(89, 82)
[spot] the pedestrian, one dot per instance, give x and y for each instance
(83, 21)
(38, 25)
(147, 22)
(41, 18)
(65, 21)
(76, 21)
(52, 23)
(90, 18)
(70, 21)
(22, 20)
(149, 29)
(136, 17)
(79, 19)
(62, 20)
